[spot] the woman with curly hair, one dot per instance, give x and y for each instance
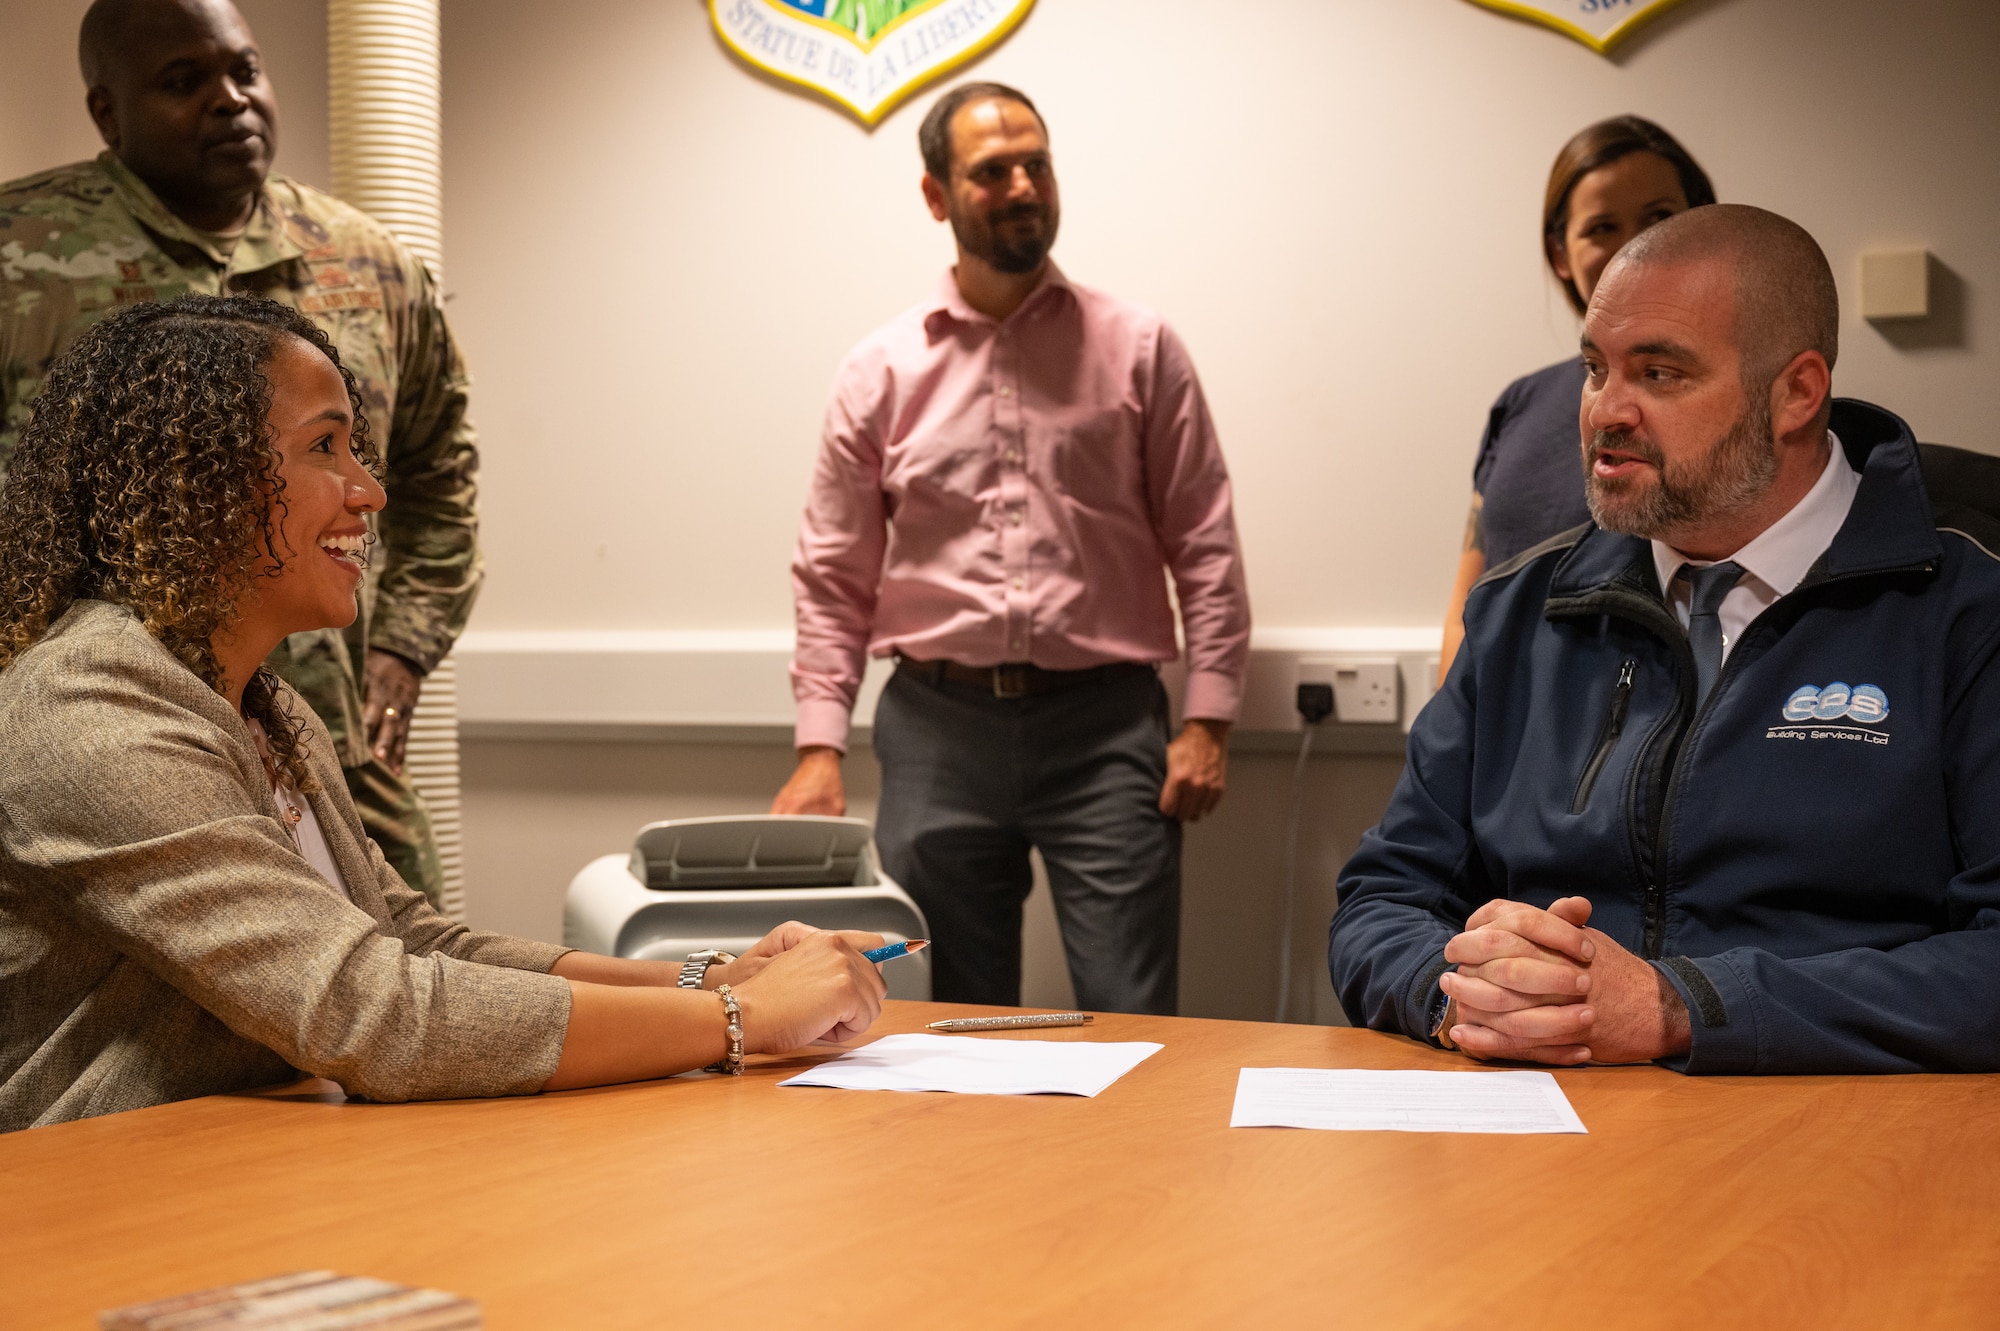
(188, 904)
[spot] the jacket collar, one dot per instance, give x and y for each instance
(1889, 528)
(266, 242)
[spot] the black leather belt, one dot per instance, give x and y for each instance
(1015, 679)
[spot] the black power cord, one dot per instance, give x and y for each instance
(1315, 704)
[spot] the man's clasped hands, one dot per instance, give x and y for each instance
(1543, 987)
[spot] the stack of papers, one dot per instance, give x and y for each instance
(1350, 1100)
(974, 1066)
(301, 1301)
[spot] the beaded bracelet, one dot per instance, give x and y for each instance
(732, 1063)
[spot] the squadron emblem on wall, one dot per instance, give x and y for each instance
(1598, 24)
(867, 55)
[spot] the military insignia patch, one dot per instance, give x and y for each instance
(867, 55)
(1598, 24)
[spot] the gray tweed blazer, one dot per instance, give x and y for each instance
(161, 938)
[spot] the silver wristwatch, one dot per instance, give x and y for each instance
(1446, 1017)
(698, 963)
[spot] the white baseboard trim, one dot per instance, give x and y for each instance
(732, 684)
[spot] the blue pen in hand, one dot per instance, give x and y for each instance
(890, 951)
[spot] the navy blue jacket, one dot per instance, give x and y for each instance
(1814, 865)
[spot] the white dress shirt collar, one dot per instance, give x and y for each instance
(1778, 558)
(1781, 554)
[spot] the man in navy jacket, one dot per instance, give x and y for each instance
(1716, 778)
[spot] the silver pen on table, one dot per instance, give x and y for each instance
(1025, 1020)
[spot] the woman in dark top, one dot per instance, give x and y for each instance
(1609, 183)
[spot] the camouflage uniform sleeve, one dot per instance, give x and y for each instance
(431, 567)
(14, 379)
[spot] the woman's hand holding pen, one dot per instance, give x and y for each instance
(773, 944)
(630, 1020)
(804, 985)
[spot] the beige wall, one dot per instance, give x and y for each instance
(42, 118)
(657, 258)
(660, 256)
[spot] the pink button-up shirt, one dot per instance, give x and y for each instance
(994, 492)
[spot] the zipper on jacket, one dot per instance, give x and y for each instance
(1614, 726)
(1660, 769)
(1685, 733)
(1656, 762)
(1670, 779)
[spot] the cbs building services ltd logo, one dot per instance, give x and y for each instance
(1816, 714)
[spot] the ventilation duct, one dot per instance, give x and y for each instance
(387, 157)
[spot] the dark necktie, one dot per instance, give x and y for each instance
(1709, 586)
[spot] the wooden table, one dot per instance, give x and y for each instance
(1692, 1203)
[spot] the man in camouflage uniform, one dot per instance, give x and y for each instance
(184, 200)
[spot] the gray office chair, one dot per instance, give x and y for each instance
(1961, 483)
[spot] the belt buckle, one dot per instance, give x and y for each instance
(1010, 681)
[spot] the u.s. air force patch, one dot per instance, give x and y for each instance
(1598, 24)
(867, 55)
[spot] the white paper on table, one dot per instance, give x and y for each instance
(972, 1066)
(1353, 1100)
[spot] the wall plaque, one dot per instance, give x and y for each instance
(1598, 24)
(867, 55)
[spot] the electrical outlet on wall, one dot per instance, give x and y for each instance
(1366, 689)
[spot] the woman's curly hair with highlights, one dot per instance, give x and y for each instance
(147, 476)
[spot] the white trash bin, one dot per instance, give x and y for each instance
(726, 882)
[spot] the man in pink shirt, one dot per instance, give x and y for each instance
(1007, 472)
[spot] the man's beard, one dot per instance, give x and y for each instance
(1736, 472)
(980, 237)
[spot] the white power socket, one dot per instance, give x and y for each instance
(1366, 689)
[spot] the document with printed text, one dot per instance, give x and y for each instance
(971, 1065)
(1353, 1100)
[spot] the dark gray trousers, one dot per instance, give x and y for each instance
(970, 782)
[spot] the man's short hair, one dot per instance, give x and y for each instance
(1786, 302)
(934, 135)
(98, 39)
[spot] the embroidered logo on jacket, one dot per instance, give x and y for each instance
(1813, 710)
